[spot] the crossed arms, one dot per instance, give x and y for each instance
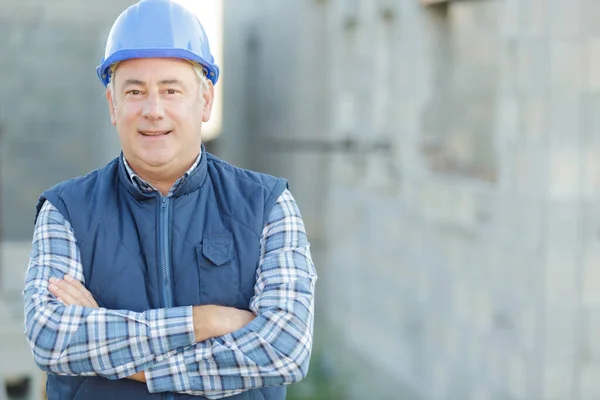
(210, 351)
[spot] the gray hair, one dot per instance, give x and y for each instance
(200, 71)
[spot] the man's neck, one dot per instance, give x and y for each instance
(161, 179)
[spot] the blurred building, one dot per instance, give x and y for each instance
(54, 125)
(445, 158)
(53, 114)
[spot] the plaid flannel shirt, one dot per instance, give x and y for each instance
(273, 349)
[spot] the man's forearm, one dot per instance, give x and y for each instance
(132, 341)
(213, 321)
(203, 323)
(80, 338)
(273, 349)
(206, 321)
(244, 353)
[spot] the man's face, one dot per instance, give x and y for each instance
(158, 111)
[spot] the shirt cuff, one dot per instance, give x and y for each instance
(169, 375)
(170, 328)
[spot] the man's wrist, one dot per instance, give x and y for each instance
(203, 322)
(139, 377)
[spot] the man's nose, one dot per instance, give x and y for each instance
(153, 108)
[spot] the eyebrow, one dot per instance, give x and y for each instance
(129, 82)
(170, 82)
(137, 82)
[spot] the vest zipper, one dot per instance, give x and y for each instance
(165, 251)
(165, 259)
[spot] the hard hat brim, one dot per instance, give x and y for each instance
(127, 54)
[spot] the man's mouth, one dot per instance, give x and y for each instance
(154, 133)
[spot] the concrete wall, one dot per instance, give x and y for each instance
(54, 123)
(462, 262)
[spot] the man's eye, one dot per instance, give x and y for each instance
(134, 92)
(172, 91)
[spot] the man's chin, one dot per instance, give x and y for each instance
(158, 163)
(155, 162)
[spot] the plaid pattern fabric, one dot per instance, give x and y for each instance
(273, 349)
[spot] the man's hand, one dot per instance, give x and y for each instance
(71, 292)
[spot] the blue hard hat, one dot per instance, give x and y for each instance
(157, 29)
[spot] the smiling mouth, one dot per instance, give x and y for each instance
(155, 133)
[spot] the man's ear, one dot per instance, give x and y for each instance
(111, 106)
(209, 96)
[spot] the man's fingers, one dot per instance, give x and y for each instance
(56, 292)
(70, 293)
(77, 284)
(62, 295)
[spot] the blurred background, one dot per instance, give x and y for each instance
(444, 155)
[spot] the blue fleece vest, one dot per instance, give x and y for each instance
(143, 251)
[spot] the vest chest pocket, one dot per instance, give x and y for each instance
(218, 270)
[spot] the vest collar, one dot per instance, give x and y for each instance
(191, 183)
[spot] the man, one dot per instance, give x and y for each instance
(167, 273)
